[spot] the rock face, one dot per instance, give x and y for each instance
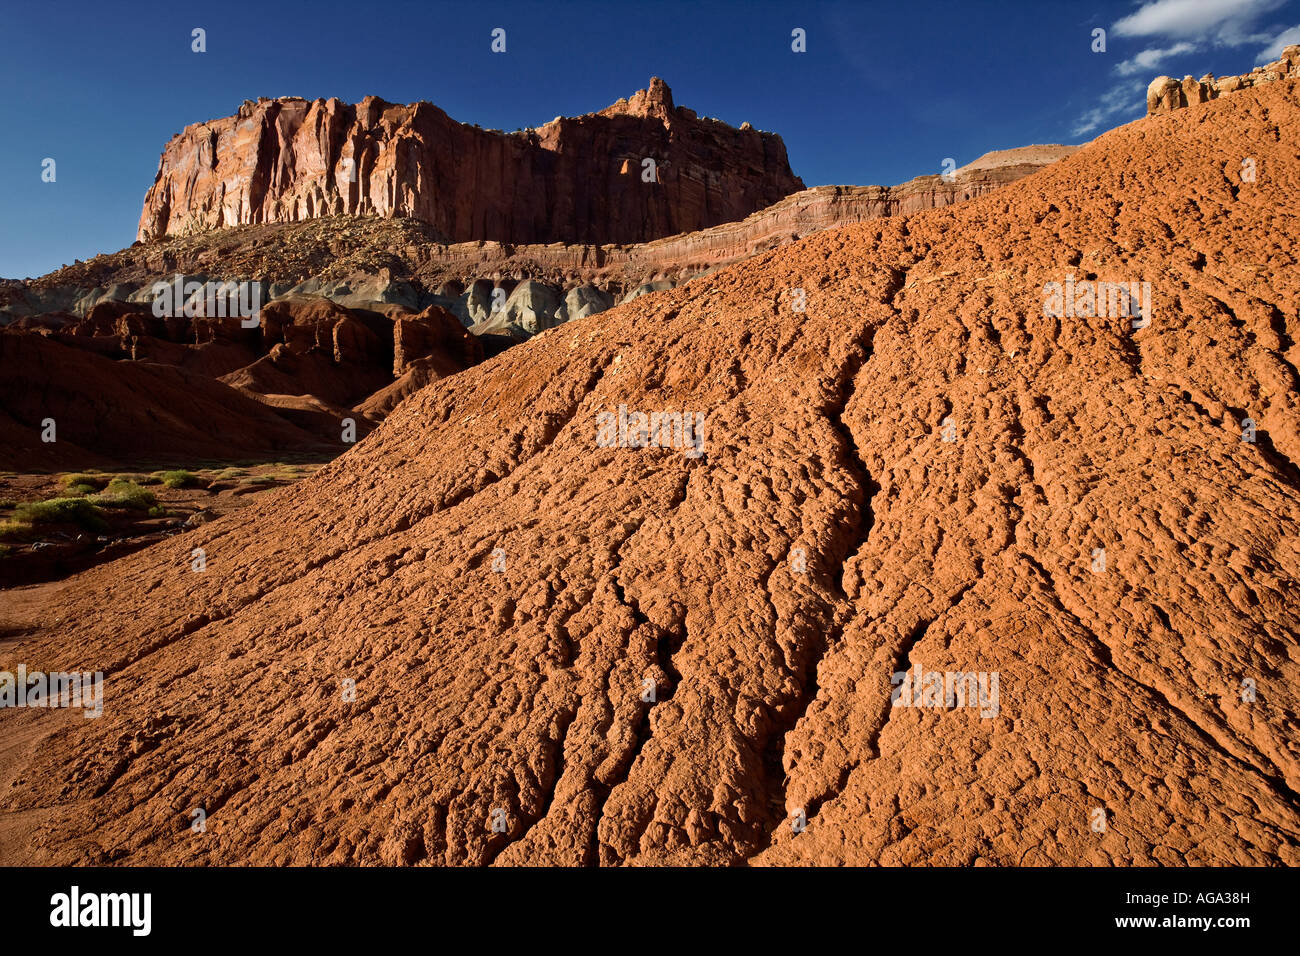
(620, 652)
(576, 180)
(1166, 94)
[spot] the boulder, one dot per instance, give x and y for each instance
(1164, 95)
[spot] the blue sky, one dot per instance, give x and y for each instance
(885, 91)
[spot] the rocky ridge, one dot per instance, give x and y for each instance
(1166, 94)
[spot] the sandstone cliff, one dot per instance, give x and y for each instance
(576, 180)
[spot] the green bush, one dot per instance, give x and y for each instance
(11, 530)
(7, 503)
(79, 511)
(80, 491)
(82, 478)
(126, 494)
(158, 511)
(177, 479)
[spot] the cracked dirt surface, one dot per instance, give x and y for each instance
(767, 590)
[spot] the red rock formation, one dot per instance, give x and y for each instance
(572, 180)
(435, 331)
(307, 323)
(289, 253)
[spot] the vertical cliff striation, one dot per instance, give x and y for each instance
(573, 180)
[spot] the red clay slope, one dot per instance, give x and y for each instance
(520, 689)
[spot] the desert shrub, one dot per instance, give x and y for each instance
(178, 478)
(95, 482)
(79, 511)
(126, 494)
(158, 511)
(7, 503)
(12, 530)
(81, 490)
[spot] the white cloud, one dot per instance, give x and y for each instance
(1123, 98)
(1219, 21)
(1149, 59)
(1274, 50)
